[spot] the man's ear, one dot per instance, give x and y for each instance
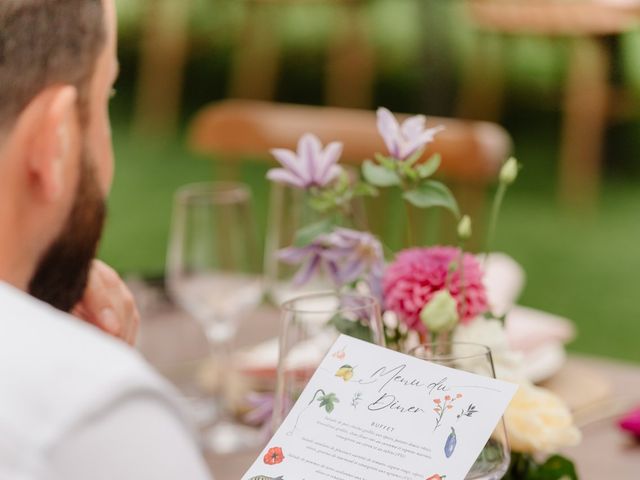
(48, 127)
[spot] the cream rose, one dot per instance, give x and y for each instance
(539, 421)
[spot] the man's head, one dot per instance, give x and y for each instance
(57, 68)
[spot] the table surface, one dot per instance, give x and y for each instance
(598, 390)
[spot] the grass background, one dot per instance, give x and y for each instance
(581, 266)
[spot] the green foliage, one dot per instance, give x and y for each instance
(525, 467)
(432, 194)
(308, 234)
(352, 328)
(379, 175)
(328, 401)
(431, 166)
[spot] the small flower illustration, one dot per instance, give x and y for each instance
(345, 372)
(274, 456)
(443, 405)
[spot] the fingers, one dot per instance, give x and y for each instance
(108, 304)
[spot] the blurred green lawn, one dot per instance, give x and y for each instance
(582, 267)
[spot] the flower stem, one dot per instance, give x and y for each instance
(493, 221)
(410, 231)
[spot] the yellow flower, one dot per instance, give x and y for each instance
(539, 421)
(346, 372)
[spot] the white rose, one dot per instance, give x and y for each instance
(491, 332)
(539, 421)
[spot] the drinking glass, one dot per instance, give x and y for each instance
(289, 213)
(493, 462)
(311, 324)
(211, 273)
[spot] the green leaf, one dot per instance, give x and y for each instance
(555, 468)
(432, 194)
(308, 234)
(387, 162)
(409, 172)
(525, 467)
(352, 328)
(363, 189)
(429, 167)
(414, 158)
(378, 175)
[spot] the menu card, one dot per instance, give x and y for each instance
(369, 413)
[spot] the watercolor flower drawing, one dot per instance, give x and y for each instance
(437, 477)
(274, 456)
(442, 406)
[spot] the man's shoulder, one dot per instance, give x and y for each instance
(56, 370)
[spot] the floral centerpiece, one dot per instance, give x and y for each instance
(427, 293)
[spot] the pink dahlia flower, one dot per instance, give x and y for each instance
(418, 273)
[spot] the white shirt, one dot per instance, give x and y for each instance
(77, 405)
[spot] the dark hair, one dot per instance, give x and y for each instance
(45, 43)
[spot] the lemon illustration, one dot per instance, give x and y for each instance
(345, 372)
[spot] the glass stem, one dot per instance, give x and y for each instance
(220, 350)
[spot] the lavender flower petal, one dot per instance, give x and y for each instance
(294, 255)
(389, 130)
(310, 152)
(412, 127)
(329, 158)
(280, 175)
(289, 161)
(404, 140)
(307, 271)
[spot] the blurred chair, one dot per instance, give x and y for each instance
(587, 24)
(350, 58)
(236, 130)
(163, 56)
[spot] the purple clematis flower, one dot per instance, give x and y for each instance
(311, 166)
(356, 253)
(346, 255)
(315, 257)
(261, 406)
(404, 140)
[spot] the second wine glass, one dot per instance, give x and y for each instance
(493, 462)
(212, 270)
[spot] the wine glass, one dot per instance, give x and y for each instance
(291, 212)
(211, 273)
(311, 324)
(493, 462)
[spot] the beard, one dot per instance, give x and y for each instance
(61, 275)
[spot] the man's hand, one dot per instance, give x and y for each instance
(108, 304)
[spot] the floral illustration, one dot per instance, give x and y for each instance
(450, 445)
(345, 372)
(468, 412)
(266, 477)
(340, 354)
(442, 406)
(327, 401)
(274, 456)
(357, 398)
(436, 477)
